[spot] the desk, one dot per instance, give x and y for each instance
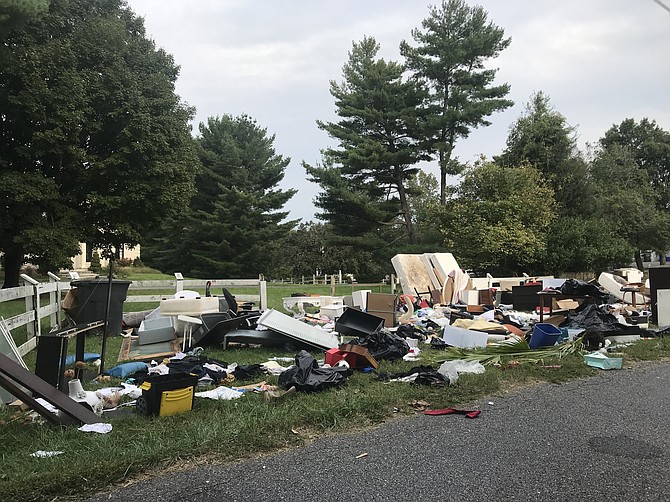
(52, 351)
(557, 296)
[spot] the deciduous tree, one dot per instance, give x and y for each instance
(95, 145)
(498, 220)
(650, 147)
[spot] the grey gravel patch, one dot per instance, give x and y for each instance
(624, 446)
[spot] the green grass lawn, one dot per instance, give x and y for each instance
(231, 430)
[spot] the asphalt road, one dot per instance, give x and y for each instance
(602, 438)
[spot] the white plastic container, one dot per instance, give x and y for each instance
(464, 338)
(155, 330)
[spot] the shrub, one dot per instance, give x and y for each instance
(95, 267)
(124, 262)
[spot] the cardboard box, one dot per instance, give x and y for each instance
(567, 304)
(355, 355)
(469, 296)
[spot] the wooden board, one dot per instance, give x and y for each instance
(130, 351)
(11, 372)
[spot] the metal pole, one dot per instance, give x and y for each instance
(109, 301)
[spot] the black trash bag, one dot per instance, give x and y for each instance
(595, 319)
(383, 344)
(306, 376)
(576, 287)
(410, 331)
(425, 375)
(438, 344)
(245, 372)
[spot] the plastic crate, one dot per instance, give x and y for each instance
(603, 362)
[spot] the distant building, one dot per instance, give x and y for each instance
(82, 262)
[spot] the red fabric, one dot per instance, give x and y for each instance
(451, 411)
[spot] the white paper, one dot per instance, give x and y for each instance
(100, 428)
(220, 393)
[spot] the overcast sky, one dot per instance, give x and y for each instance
(600, 62)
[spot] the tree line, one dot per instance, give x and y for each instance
(96, 147)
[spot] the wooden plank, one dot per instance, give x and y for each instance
(15, 293)
(224, 282)
(28, 346)
(20, 320)
(37, 386)
(169, 284)
(144, 298)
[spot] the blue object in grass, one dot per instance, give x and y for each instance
(125, 369)
(88, 357)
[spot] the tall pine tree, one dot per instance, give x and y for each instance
(236, 210)
(450, 57)
(365, 179)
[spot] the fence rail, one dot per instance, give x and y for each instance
(35, 294)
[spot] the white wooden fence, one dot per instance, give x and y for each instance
(34, 293)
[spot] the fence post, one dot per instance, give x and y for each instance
(180, 282)
(332, 285)
(263, 293)
(54, 297)
(32, 303)
(393, 284)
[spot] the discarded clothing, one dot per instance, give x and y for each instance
(246, 372)
(306, 376)
(452, 411)
(125, 369)
(200, 366)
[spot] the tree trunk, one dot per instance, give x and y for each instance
(443, 179)
(406, 212)
(12, 261)
(638, 260)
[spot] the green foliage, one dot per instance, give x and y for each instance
(95, 145)
(650, 147)
(451, 57)
(227, 228)
(95, 262)
(543, 138)
(364, 179)
(627, 199)
(585, 243)
(313, 248)
(15, 13)
(498, 220)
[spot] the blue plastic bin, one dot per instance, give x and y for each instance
(544, 335)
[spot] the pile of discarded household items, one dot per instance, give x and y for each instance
(163, 361)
